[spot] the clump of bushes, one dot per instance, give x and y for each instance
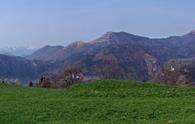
(61, 79)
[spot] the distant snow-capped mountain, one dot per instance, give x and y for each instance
(17, 51)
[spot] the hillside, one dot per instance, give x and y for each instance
(47, 53)
(22, 70)
(100, 102)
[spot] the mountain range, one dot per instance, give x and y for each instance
(131, 56)
(118, 55)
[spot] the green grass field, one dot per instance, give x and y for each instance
(97, 103)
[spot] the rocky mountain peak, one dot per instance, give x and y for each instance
(77, 44)
(111, 34)
(116, 34)
(116, 37)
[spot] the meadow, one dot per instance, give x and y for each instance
(105, 101)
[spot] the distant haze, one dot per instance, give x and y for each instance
(35, 23)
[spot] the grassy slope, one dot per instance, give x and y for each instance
(100, 102)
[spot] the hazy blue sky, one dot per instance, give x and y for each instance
(40, 22)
